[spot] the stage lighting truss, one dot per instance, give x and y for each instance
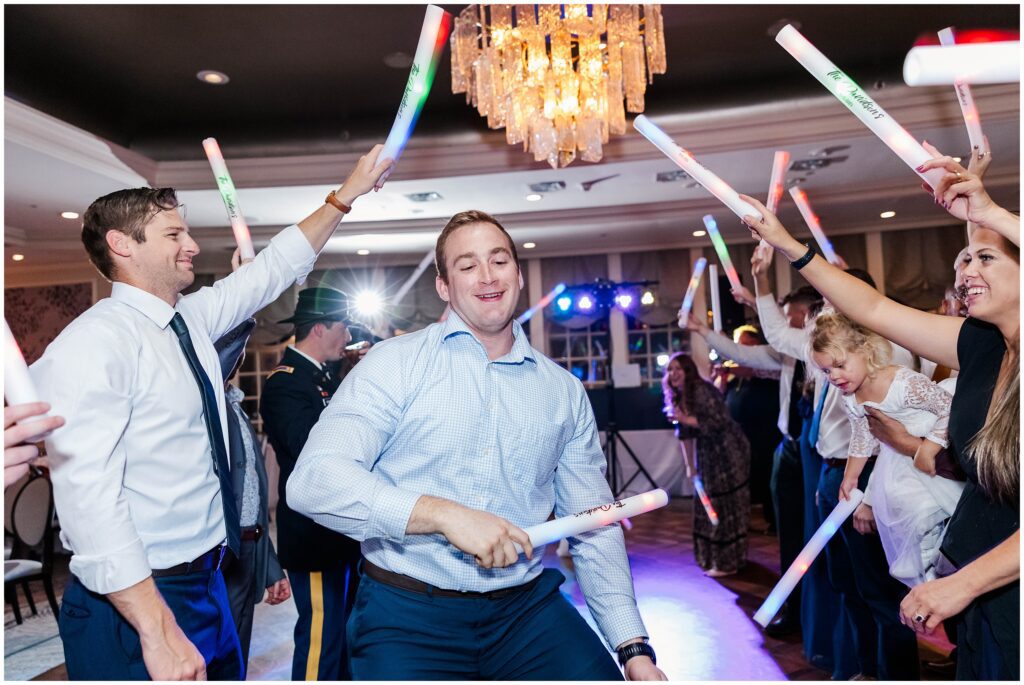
(601, 296)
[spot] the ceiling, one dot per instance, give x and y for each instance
(105, 97)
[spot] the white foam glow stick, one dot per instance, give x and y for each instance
(591, 519)
(702, 495)
(780, 164)
(433, 36)
(976, 63)
(691, 290)
(18, 385)
(859, 102)
(966, 99)
(723, 251)
(811, 219)
(230, 196)
(716, 304)
(427, 260)
(544, 302)
(697, 171)
(777, 597)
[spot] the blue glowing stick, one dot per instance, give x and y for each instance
(544, 302)
(780, 593)
(691, 290)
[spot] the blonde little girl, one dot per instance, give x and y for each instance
(910, 503)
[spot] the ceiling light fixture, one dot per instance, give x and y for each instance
(69, 215)
(529, 246)
(541, 72)
(17, 257)
(887, 215)
(362, 253)
(534, 197)
(699, 234)
(214, 78)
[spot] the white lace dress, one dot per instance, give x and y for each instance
(910, 507)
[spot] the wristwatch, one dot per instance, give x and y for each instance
(636, 649)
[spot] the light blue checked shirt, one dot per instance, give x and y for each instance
(429, 414)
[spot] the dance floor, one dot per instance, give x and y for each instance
(701, 627)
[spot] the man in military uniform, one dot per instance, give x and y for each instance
(321, 563)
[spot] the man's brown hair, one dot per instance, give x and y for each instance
(473, 216)
(127, 211)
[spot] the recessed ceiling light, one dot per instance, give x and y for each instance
(529, 246)
(887, 215)
(534, 197)
(699, 234)
(362, 253)
(431, 196)
(214, 78)
(69, 215)
(17, 257)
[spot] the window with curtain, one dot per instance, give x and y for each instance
(580, 344)
(919, 263)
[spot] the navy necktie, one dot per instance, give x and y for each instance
(212, 418)
(816, 420)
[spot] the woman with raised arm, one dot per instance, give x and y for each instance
(982, 541)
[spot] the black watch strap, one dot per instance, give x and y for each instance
(805, 260)
(636, 649)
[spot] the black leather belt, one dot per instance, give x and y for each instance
(840, 463)
(412, 585)
(252, 533)
(207, 562)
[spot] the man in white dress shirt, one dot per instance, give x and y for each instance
(140, 475)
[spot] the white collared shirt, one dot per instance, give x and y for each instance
(132, 468)
(312, 361)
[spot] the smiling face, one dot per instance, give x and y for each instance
(990, 277)
(846, 374)
(483, 280)
(676, 375)
(162, 263)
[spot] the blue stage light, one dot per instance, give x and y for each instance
(624, 300)
(585, 303)
(563, 303)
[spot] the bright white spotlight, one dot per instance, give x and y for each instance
(624, 300)
(662, 360)
(647, 299)
(585, 303)
(368, 303)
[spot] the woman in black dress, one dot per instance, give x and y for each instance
(982, 541)
(722, 462)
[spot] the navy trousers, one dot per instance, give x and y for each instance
(536, 634)
(324, 600)
(872, 597)
(787, 496)
(99, 644)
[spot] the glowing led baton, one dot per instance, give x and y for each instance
(777, 597)
(722, 250)
(427, 260)
(779, 166)
(697, 171)
(18, 385)
(702, 495)
(966, 99)
(800, 198)
(230, 195)
(977, 63)
(433, 36)
(544, 302)
(591, 519)
(858, 102)
(691, 290)
(716, 304)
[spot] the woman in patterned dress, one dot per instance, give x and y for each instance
(722, 462)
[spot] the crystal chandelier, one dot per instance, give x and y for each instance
(555, 76)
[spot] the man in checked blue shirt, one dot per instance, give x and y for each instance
(435, 453)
